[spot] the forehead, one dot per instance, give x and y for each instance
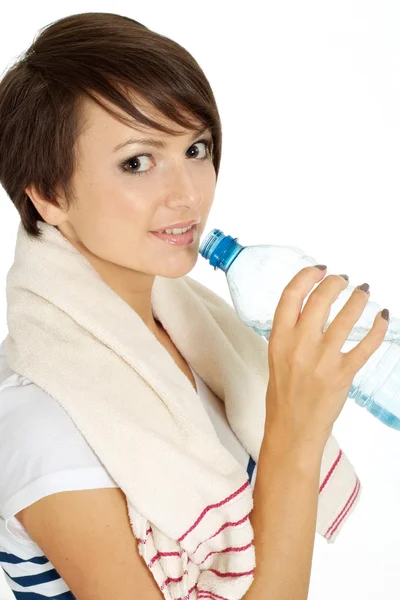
(97, 119)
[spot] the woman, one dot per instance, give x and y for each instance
(110, 133)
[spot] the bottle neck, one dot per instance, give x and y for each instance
(225, 253)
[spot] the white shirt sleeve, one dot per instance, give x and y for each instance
(41, 452)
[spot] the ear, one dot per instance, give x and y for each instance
(53, 215)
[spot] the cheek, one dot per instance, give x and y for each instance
(121, 205)
(111, 224)
(211, 178)
(209, 183)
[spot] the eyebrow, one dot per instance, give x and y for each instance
(155, 143)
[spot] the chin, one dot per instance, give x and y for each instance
(179, 269)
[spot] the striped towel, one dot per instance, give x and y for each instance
(188, 498)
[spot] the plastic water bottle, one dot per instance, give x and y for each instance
(257, 276)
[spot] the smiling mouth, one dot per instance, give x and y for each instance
(178, 239)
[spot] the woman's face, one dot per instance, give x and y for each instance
(122, 195)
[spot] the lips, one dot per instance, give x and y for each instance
(176, 226)
(178, 239)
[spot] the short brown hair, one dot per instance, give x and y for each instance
(94, 55)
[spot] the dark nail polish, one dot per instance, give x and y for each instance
(364, 287)
(322, 267)
(385, 314)
(346, 277)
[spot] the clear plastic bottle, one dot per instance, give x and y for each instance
(257, 276)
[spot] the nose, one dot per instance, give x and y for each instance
(183, 185)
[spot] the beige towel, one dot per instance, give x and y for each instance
(188, 498)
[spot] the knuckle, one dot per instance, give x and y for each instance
(297, 358)
(289, 291)
(273, 338)
(276, 338)
(329, 283)
(300, 357)
(343, 321)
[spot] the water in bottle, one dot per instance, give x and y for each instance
(257, 276)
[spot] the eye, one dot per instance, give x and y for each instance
(133, 160)
(137, 160)
(208, 148)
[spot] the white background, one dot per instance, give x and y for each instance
(309, 96)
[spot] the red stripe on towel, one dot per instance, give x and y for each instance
(344, 510)
(231, 524)
(219, 574)
(224, 526)
(229, 549)
(159, 554)
(331, 470)
(211, 506)
(206, 594)
(177, 554)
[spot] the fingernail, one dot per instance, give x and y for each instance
(346, 277)
(385, 314)
(364, 287)
(322, 267)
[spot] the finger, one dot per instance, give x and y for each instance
(360, 354)
(292, 298)
(339, 330)
(318, 306)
